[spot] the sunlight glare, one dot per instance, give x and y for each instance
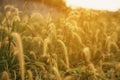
(111, 5)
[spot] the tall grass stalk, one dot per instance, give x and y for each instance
(55, 69)
(20, 55)
(87, 54)
(78, 38)
(97, 35)
(93, 70)
(65, 52)
(30, 75)
(45, 46)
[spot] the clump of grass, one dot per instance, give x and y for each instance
(76, 32)
(16, 37)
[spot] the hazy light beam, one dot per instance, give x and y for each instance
(111, 5)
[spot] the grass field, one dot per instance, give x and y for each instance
(81, 44)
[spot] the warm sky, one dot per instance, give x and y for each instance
(111, 5)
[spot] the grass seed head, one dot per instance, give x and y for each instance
(57, 73)
(87, 54)
(45, 46)
(16, 37)
(30, 75)
(65, 52)
(5, 76)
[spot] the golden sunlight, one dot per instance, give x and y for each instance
(111, 5)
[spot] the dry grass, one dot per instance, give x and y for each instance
(79, 45)
(20, 55)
